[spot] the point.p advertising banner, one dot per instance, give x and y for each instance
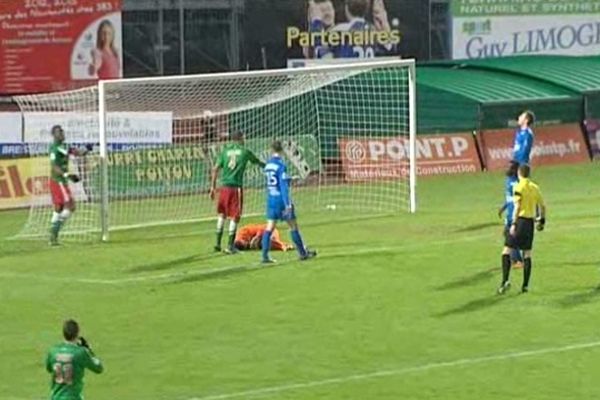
(54, 45)
(365, 159)
(553, 145)
(499, 28)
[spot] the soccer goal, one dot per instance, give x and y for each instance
(348, 132)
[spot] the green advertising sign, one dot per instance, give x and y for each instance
(184, 169)
(488, 8)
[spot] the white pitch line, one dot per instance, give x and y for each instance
(265, 391)
(251, 266)
(397, 372)
(189, 273)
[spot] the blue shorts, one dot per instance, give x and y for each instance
(276, 212)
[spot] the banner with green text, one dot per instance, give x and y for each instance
(179, 170)
(499, 28)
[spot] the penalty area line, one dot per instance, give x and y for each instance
(265, 391)
(198, 273)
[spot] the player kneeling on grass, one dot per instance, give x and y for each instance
(62, 199)
(67, 363)
(232, 163)
(249, 237)
(527, 198)
(280, 206)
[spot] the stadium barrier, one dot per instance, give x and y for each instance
(18, 182)
(592, 128)
(558, 144)
(362, 159)
(386, 157)
(20, 179)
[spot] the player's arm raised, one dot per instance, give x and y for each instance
(59, 171)
(255, 160)
(93, 363)
(81, 153)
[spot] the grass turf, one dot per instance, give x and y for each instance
(399, 293)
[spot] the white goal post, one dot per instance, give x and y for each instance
(349, 134)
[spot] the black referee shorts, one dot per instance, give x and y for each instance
(523, 238)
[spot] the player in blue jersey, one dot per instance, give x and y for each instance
(321, 17)
(280, 206)
(512, 179)
(523, 142)
(357, 24)
(356, 14)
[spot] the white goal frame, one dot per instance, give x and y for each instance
(406, 63)
(348, 132)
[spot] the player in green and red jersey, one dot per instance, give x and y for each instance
(67, 362)
(232, 162)
(62, 199)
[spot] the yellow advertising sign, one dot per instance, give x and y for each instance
(20, 179)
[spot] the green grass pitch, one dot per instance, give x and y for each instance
(394, 307)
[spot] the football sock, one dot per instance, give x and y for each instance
(220, 223)
(297, 239)
(266, 244)
(526, 272)
(505, 267)
(232, 230)
(56, 223)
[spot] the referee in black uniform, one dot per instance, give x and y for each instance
(527, 199)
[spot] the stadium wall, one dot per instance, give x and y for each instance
(592, 129)
(554, 145)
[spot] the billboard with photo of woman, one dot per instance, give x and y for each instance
(97, 53)
(58, 45)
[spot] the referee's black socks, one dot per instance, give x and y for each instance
(526, 272)
(505, 268)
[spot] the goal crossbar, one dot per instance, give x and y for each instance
(349, 132)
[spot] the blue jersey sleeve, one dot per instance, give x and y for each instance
(346, 50)
(319, 51)
(508, 199)
(316, 25)
(527, 146)
(284, 186)
(508, 192)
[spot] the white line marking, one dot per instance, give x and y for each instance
(190, 273)
(251, 266)
(397, 372)
(390, 372)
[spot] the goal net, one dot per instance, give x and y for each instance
(347, 130)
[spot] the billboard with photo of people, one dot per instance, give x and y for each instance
(363, 31)
(346, 29)
(52, 46)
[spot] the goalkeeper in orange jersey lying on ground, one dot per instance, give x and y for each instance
(249, 237)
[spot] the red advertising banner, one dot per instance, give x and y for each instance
(559, 144)
(366, 159)
(53, 45)
(593, 131)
